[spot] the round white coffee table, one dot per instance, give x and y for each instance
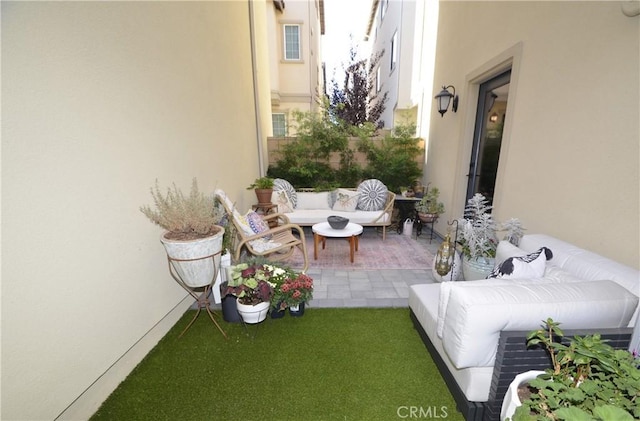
(323, 230)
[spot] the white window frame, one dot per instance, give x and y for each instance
(284, 123)
(378, 80)
(286, 51)
(394, 51)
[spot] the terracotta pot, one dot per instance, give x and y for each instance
(264, 196)
(427, 217)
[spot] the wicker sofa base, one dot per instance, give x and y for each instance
(512, 358)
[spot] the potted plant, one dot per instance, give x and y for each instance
(588, 380)
(295, 292)
(479, 239)
(263, 187)
(193, 236)
(428, 207)
(252, 284)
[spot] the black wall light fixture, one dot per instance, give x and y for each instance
(444, 98)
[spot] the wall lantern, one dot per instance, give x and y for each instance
(444, 97)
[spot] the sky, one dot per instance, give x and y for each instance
(342, 18)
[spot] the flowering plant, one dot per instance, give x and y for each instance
(294, 290)
(253, 282)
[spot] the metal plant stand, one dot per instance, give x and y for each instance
(203, 298)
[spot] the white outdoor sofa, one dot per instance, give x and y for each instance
(475, 330)
(370, 204)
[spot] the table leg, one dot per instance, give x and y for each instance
(357, 241)
(352, 241)
(316, 240)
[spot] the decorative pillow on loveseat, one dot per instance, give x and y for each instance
(373, 195)
(280, 184)
(281, 198)
(346, 200)
(530, 266)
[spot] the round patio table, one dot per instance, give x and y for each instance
(323, 230)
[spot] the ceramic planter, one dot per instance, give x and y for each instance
(511, 399)
(252, 314)
(189, 258)
(477, 268)
(297, 310)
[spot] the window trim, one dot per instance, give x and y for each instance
(284, 42)
(378, 79)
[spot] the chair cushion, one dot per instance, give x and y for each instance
(280, 184)
(257, 224)
(346, 200)
(373, 195)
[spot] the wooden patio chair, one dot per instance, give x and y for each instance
(278, 243)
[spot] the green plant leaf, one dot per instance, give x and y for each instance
(610, 412)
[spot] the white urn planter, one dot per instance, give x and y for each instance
(511, 399)
(189, 258)
(253, 313)
(477, 268)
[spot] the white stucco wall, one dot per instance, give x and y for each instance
(569, 164)
(100, 99)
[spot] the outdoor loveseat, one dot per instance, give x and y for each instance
(370, 204)
(475, 330)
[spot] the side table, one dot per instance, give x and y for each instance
(406, 209)
(323, 230)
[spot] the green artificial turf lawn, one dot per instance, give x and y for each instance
(330, 364)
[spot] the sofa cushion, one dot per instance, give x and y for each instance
(281, 198)
(346, 200)
(476, 314)
(505, 250)
(531, 266)
(373, 195)
(312, 200)
(280, 184)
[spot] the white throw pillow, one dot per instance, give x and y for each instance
(531, 266)
(346, 200)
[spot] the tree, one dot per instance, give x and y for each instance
(358, 101)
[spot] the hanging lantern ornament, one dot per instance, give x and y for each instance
(446, 265)
(444, 256)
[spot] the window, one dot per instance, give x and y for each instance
(279, 125)
(394, 50)
(292, 42)
(378, 81)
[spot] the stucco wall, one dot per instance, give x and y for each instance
(569, 165)
(100, 99)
